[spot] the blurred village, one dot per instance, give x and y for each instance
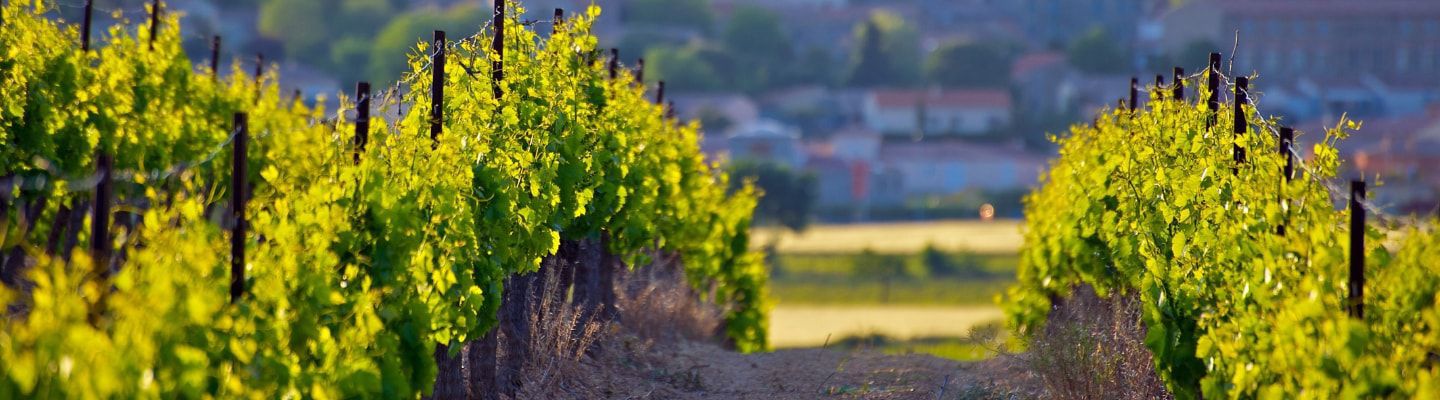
(885, 110)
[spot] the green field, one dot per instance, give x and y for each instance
(841, 264)
(821, 279)
(909, 292)
(986, 237)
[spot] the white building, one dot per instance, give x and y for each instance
(856, 144)
(943, 168)
(766, 140)
(936, 112)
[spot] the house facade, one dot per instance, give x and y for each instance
(766, 140)
(936, 112)
(929, 169)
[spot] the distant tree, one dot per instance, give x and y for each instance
(1096, 52)
(683, 13)
(758, 46)
(359, 18)
(295, 24)
(885, 267)
(788, 196)
(814, 66)
(351, 57)
(687, 68)
(870, 65)
(316, 32)
(940, 263)
(771, 250)
(936, 262)
(969, 64)
(889, 53)
(755, 32)
(398, 40)
(641, 42)
(714, 121)
(237, 4)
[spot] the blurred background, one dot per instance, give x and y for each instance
(895, 139)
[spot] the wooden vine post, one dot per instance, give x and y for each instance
(215, 56)
(239, 185)
(1357, 250)
(1179, 87)
(362, 118)
(259, 67)
(614, 63)
(100, 214)
(558, 21)
(57, 229)
(99, 231)
(1212, 85)
(1134, 93)
(1241, 125)
(259, 74)
(1287, 141)
(1159, 86)
(437, 87)
(154, 22)
(85, 25)
(77, 224)
(640, 71)
(497, 45)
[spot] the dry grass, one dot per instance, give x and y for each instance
(656, 303)
(987, 237)
(561, 334)
(1093, 348)
(573, 355)
(664, 345)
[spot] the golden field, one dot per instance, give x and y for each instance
(808, 326)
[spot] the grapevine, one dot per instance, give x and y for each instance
(1152, 203)
(357, 270)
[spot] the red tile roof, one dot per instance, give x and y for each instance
(1030, 62)
(925, 151)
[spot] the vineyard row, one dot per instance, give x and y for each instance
(1251, 283)
(365, 259)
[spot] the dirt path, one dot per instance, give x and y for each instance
(705, 371)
